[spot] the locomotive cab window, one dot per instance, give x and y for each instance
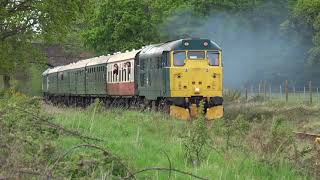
(196, 55)
(213, 58)
(179, 58)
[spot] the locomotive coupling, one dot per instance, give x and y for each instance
(182, 113)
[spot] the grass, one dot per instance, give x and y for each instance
(293, 98)
(142, 139)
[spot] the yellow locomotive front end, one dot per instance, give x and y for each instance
(196, 75)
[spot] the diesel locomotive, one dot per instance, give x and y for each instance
(174, 76)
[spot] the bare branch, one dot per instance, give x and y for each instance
(166, 169)
(53, 125)
(16, 31)
(105, 152)
(170, 164)
(4, 3)
(23, 6)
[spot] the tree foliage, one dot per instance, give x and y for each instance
(109, 26)
(306, 22)
(23, 22)
(127, 24)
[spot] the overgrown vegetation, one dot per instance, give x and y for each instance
(254, 140)
(196, 141)
(29, 142)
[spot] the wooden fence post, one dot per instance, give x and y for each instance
(259, 88)
(252, 93)
(265, 89)
(280, 91)
(270, 90)
(310, 90)
(287, 89)
(246, 93)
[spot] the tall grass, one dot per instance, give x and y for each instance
(148, 139)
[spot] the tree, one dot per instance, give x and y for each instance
(127, 24)
(306, 22)
(23, 22)
(121, 25)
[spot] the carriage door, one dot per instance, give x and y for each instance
(47, 83)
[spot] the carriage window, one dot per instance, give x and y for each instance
(142, 64)
(213, 58)
(128, 74)
(179, 58)
(196, 55)
(128, 64)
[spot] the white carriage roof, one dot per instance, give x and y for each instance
(54, 70)
(94, 61)
(123, 56)
(45, 72)
(99, 60)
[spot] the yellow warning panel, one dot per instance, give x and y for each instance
(180, 113)
(194, 111)
(214, 113)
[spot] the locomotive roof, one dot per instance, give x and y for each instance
(123, 56)
(193, 44)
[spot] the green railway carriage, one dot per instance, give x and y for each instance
(52, 78)
(96, 72)
(63, 81)
(45, 81)
(86, 77)
(73, 81)
(80, 77)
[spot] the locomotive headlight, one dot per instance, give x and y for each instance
(206, 44)
(197, 90)
(186, 44)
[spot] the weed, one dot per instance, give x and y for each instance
(196, 141)
(231, 95)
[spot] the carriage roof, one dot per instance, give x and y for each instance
(123, 56)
